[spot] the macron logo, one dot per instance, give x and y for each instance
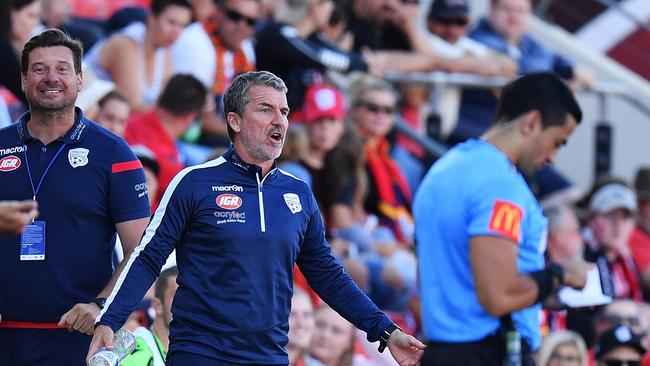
(232, 188)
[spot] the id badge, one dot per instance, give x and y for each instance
(32, 242)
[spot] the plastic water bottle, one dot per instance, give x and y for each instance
(124, 345)
(513, 349)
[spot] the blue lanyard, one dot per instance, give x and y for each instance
(29, 172)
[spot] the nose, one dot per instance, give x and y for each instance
(550, 159)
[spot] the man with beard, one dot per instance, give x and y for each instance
(238, 225)
(88, 184)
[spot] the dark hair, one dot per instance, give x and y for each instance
(236, 96)
(6, 8)
(52, 38)
(163, 282)
(541, 91)
(158, 6)
(183, 94)
(113, 94)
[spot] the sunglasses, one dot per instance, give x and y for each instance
(461, 22)
(376, 108)
(236, 17)
(616, 320)
(622, 363)
(567, 359)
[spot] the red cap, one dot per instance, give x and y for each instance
(322, 100)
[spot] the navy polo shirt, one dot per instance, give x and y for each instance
(94, 183)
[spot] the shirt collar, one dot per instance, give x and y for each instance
(231, 156)
(74, 135)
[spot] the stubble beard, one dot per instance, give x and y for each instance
(51, 110)
(258, 150)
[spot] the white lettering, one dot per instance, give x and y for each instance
(12, 150)
(232, 188)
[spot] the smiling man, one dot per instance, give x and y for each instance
(238, 225)
(481, 234)
(57, 273)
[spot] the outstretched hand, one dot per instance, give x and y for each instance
(406, 349)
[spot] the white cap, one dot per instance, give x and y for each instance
(611, 197)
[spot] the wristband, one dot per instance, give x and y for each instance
(546, 280)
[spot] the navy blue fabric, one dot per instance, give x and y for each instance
(80, 206)
(236, 263)
(43, 347)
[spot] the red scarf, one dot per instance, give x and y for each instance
(241, 64)
(393, 191)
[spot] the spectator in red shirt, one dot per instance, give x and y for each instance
(158, 130)
(640, 239)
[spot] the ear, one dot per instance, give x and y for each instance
(234, 121)
(80, 82)
(156, 304)
(531, 122)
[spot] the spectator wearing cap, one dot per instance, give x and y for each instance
(323, 116)
(620, 312)
(158, 130)
(640, 240)
(609, 225)
(619, 347)
(447, 25)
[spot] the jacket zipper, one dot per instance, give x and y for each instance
(260, 196)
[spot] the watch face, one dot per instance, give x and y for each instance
(100, 302)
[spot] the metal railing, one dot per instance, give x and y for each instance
(603, 90)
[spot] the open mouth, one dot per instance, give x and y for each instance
(276, 137)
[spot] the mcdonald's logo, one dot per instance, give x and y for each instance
(506, 219)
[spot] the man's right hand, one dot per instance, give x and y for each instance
(14, 215)
(103, 337)
(575, 272)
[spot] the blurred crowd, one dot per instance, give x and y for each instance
(155, 71)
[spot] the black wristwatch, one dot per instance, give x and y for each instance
(99, 301)
(383, 340)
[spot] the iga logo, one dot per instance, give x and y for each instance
(229, 201)
(9, 163)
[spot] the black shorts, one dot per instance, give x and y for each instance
(489, 351)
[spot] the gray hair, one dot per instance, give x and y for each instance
(236, 96)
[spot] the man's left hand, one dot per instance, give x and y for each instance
(81, 318)
(406, 349)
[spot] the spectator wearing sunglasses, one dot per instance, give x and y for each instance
(619, 347)
(231, 31)
(373, 105)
